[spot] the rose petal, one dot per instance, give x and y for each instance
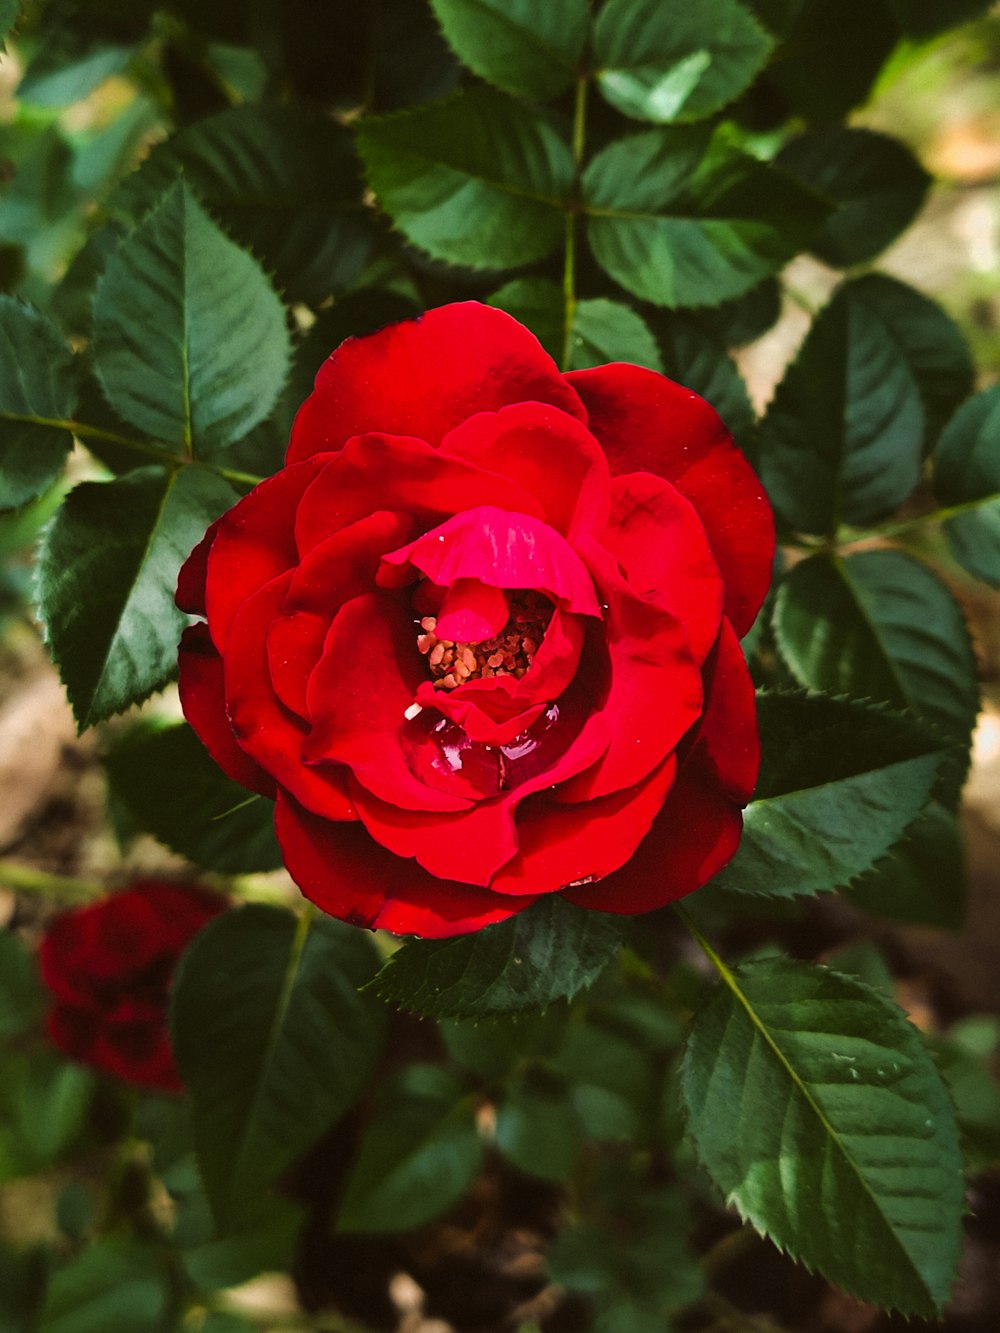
(254, 543)
(203, 699)
(347, 874)
(393, 472)
(190, 595)
(425, 376)
(549, 454)
(646, 423)
(294, 646)
(471, 612)
(661, 547)
(268, 731)
(727, 744)
(344, 565)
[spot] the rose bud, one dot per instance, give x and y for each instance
(109, 966)
(479, 638)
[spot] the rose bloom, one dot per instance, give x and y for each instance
(479, 638)
(109, 966)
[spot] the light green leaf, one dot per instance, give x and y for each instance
(518, 45)
(43, 1106)
(839, 784)
(478, 180)
(273, 1042)
(666, 60)
(418, 1157)
(36, 385)
(61, 73)
(967, 472)
(606, 331)
(537, 1127)
(108, 571)
(818, 1112)
(190, 340)
(116, 1286)
(166, 780)
(549, 951)
(681, 218)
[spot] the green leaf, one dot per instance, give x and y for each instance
(518, 45)
(109, 567)
(116, 1286)
(746, 318)
(418, 1157)
(23, 1277)
(694, 356)
(841, 441)
(36, 384)
(674, 61)
(190, 341)
(67, 69)
(172, 788)
(537, 1127)
(548, 952)
(875, 181)
(477, 180)
(21, 996)
(967, 472)
(606, 331)
(273, 1042)
(264, 1241)
(924, 18)
(283, 181)
(682, 219)
(880, 624)
(9, 10)
(818, 1112)
(839, 784)
(43, 1105)
(538, 304)
(922, 882)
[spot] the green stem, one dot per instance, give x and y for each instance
(569, 267)
(83, 431)
(905, 524)
(706, 947)
(60, 888)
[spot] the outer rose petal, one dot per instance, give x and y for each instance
(347, 874)
(551, 455)
(203, 699)
(646, 423)
(727, 744)
(190, 595)
(344, 565)
(425, 376)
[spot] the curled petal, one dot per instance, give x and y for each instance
(646, 423)
(294, 646)
(190, 595)
(344, 565)
(426, 376)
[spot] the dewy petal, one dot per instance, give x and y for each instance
(550, 454)
(268, 731)
(254, 543)
(203, 699)
(424, 376)
(501, 549)
(378, 472)
(646, 423)
(661, 547)
(358, 696)
(347, 874)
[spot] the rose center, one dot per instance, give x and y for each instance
(509, 653)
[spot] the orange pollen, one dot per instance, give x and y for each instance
(509, 653)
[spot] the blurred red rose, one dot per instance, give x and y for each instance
(479, 637)
(109, 966)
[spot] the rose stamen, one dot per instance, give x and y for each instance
(509, 653)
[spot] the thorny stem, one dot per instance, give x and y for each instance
(569, 269)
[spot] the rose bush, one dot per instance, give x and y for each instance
(479, 637)
(109, 966)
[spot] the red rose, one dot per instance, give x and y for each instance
(109, 966)
(479, 637)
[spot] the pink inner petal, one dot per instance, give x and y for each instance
(471, 612)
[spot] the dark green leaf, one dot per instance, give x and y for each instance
(673, 62)
(36, 381)
(283, 181)
(875, 181)
(746, 318)
(922, 881)
(419, 1156)
(165, 779)
(43, 1103)
(606, 331)
(273, 1042)
(264, 1241)
(518, 45)
(549, 951)
(695, 357)
(967, 472)
(109, 568)
(116, 1286)
(841, 441)
(680, 220)
(491, 1047)
(537, 1127)
(839, 784)
(611, 1080)
(818, 1112)
(9, 10)
(967, 1058)
(23, 1274)
(880, 624)
(477, 180)
(190, 341)
(923, 18)
(21, 995)
(538, 304)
